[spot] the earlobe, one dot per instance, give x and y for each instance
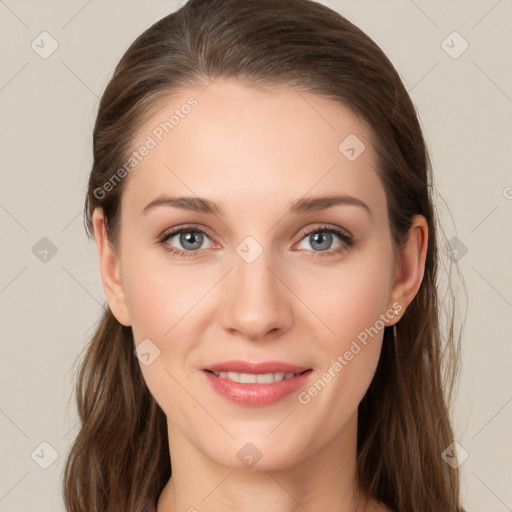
(411, 268)
(110, 270)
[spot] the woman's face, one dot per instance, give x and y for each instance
(257, 281)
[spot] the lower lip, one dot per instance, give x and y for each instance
(256, 394)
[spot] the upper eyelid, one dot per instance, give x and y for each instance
(326, 227)
(177, 231)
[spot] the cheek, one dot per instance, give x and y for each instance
(159, 299)
(361, 299)
(149, 298)
(352, 299)
(350, 355)
(159, 293)
(357, 297)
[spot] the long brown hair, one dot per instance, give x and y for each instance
(119, 460)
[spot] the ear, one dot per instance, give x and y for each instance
(410, 268)
(110, 270)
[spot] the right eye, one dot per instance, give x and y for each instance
(186, 237)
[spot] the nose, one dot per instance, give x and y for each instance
(257, 303)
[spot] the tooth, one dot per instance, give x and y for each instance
(247, 378)
(265, 378)
(233, 376)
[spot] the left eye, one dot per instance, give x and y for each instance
(322, 238)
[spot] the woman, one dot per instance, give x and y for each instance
(290, 359)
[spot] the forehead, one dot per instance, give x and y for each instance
(231, 142)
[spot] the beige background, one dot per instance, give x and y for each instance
(49, 307)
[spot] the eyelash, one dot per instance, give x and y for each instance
(346, 239)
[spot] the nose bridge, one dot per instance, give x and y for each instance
(257, 301)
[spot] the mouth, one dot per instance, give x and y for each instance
(256, 384)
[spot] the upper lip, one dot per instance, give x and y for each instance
(256, 368)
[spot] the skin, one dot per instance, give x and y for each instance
(252, 152)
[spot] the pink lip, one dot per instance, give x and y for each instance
(256, 394)
(254, 368)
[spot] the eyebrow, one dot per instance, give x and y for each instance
(302, 205)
